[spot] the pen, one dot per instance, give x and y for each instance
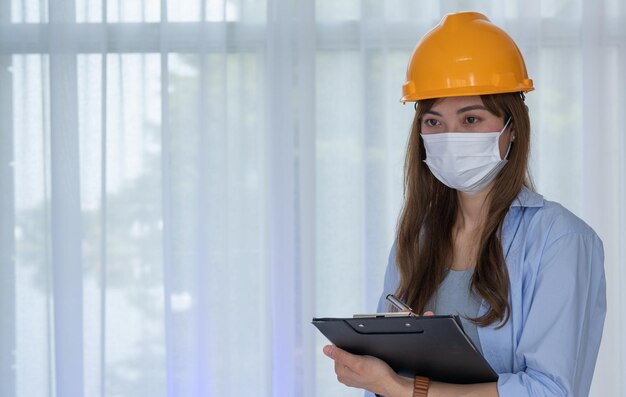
(398, 303)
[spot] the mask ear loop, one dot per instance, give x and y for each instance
(510, 141)
(505, 125)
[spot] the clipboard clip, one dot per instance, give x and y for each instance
(389, 314)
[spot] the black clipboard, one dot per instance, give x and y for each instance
(431, 346)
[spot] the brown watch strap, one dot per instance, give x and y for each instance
(420, 387)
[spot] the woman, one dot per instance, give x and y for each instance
(473, 239)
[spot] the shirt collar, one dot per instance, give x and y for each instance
(527, 198)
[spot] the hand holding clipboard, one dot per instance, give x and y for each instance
(432, 346)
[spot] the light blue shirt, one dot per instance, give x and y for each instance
(555, 261)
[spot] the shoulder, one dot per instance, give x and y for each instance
(556, 246)
(543, 234)
(549, 219)
(553, 221)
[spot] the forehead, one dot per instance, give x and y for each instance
(455, 103)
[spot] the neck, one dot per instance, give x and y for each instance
(472, 210)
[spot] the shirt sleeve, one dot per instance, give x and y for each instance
(564, 311)
(392, 278)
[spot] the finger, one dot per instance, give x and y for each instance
(429, 313)
(343, 370)
(340, 356)
(346, 375)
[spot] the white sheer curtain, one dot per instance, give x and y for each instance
(184, 184)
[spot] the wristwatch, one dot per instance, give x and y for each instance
(420, 387)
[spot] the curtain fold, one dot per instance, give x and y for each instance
(7, 237)
(184, 185)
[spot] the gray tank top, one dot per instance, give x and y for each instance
(454, 296)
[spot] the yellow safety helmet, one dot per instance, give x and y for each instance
(465, 54)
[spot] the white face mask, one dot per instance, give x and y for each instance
(465, 161)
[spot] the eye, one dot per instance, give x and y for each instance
(471, 120)
(431, 122)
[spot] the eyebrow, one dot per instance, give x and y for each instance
(462, 110)
(471, 107)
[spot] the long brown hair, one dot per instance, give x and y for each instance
(424, 235)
